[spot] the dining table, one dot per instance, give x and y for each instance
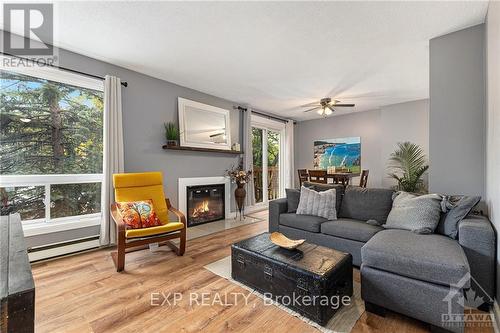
(343, 178)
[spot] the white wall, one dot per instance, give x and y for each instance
(493, 119)
(379, 130)
(403, 122)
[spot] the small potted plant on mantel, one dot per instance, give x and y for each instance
(171, 134)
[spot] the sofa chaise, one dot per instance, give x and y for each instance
(421, 276)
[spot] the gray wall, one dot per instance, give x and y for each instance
(363, 124)
(147, 104)
(457, 113)
(493, 121)
(403, 122)
(380, 131)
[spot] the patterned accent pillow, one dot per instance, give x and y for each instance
(138, 214)
(317, 203)
(419, 214)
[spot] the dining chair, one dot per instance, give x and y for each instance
(341, 179)
(364, 178)
(303, 176)
(318, 176)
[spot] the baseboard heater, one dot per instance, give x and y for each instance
(62, 248)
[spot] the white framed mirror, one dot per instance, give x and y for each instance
(203, 126)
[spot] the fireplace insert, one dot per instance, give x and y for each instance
(205, 203)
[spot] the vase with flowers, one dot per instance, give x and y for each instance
(239, 177)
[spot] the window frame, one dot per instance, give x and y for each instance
(47, 224)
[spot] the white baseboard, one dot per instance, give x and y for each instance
(495, 312)
(63, 250)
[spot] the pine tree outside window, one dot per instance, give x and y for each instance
(51, 145)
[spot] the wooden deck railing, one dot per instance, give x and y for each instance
(273, 186)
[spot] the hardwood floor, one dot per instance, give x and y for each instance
(84, 293)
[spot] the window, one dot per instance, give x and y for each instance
(51, 145)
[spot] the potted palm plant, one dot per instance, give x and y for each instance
(171, 133)
(407, 166)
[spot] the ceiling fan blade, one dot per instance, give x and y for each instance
(311, 104)
(313, 109)
(331, 108)
(344, 105)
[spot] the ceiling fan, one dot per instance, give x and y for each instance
(326, 106)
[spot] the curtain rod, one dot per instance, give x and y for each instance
(123, 83)
(283, 120)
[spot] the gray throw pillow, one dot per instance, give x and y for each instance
(459, 207)
(339, 190)
(317, 203)
(292, 199)
(415, 213)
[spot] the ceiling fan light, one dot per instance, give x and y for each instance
(328, 111)
(321, 111)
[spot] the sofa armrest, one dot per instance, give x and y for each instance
(276, 208)
(477, 238)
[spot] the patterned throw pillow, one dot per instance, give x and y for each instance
(317, 203)
(138, 214)
(419, 214)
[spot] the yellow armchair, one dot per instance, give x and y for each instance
(145, 186)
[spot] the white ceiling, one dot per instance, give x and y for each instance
(274, 56)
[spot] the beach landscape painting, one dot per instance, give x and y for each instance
(341, 153)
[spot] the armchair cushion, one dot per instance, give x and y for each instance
(138, 214)
(142, 186)
(145, 232)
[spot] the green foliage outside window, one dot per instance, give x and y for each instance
(49, 127)
(273, 147)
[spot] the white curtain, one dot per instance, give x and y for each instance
(289, 168)
(248, 155)
(113, 153)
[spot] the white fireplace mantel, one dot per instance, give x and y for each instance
(195, 181)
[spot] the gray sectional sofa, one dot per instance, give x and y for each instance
(421, 276)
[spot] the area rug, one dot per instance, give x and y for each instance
(342, 321)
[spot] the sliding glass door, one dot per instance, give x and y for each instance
(267, 142)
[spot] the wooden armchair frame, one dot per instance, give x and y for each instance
(125, 245)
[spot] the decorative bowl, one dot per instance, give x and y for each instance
(282, 241)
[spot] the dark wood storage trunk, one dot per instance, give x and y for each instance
(310, 270)
(17, 289)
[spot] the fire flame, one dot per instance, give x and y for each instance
(200, 209)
